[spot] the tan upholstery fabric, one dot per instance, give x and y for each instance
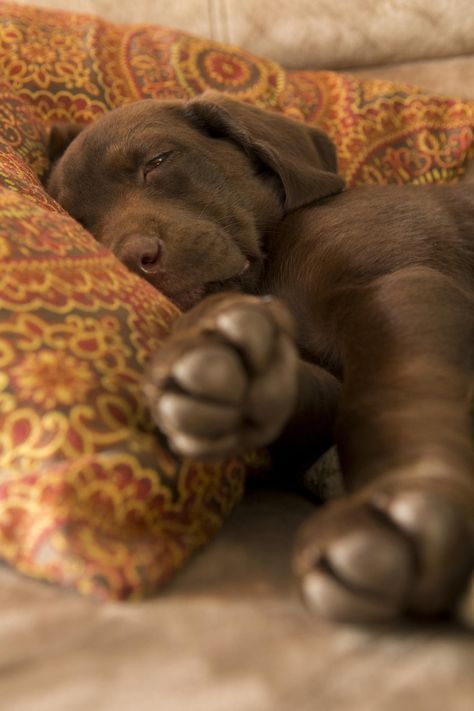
(230, 635)
(451, 75)
(309, 33)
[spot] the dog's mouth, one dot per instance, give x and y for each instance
(244, 281)
(187, 299)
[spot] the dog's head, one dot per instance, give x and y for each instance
(184, 193)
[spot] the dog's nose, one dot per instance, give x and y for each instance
(150, 258)
(142, 254)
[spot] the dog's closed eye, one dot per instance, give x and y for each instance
(155, 162)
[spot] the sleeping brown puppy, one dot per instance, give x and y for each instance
(212, 198)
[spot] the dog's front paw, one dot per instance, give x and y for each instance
(228, 383)
(400, 549)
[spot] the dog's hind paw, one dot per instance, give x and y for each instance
(227, 382)
(401, 549)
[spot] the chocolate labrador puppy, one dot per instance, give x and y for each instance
(218, 204)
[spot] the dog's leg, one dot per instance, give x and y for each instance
(403, 541)
(229, 379)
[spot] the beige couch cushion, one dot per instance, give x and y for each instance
(309, 33)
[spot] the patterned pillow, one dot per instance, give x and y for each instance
(89, 495)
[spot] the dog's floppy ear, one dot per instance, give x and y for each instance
(303, 157)
(60, 136)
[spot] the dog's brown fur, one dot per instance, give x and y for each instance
(216, 197)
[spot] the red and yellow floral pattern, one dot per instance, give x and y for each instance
(89, 495)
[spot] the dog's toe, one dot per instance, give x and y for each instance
(382, 556)
(228, 384)
(442, 536)
(352, 565)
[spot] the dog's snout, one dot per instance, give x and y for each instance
(142, 254)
